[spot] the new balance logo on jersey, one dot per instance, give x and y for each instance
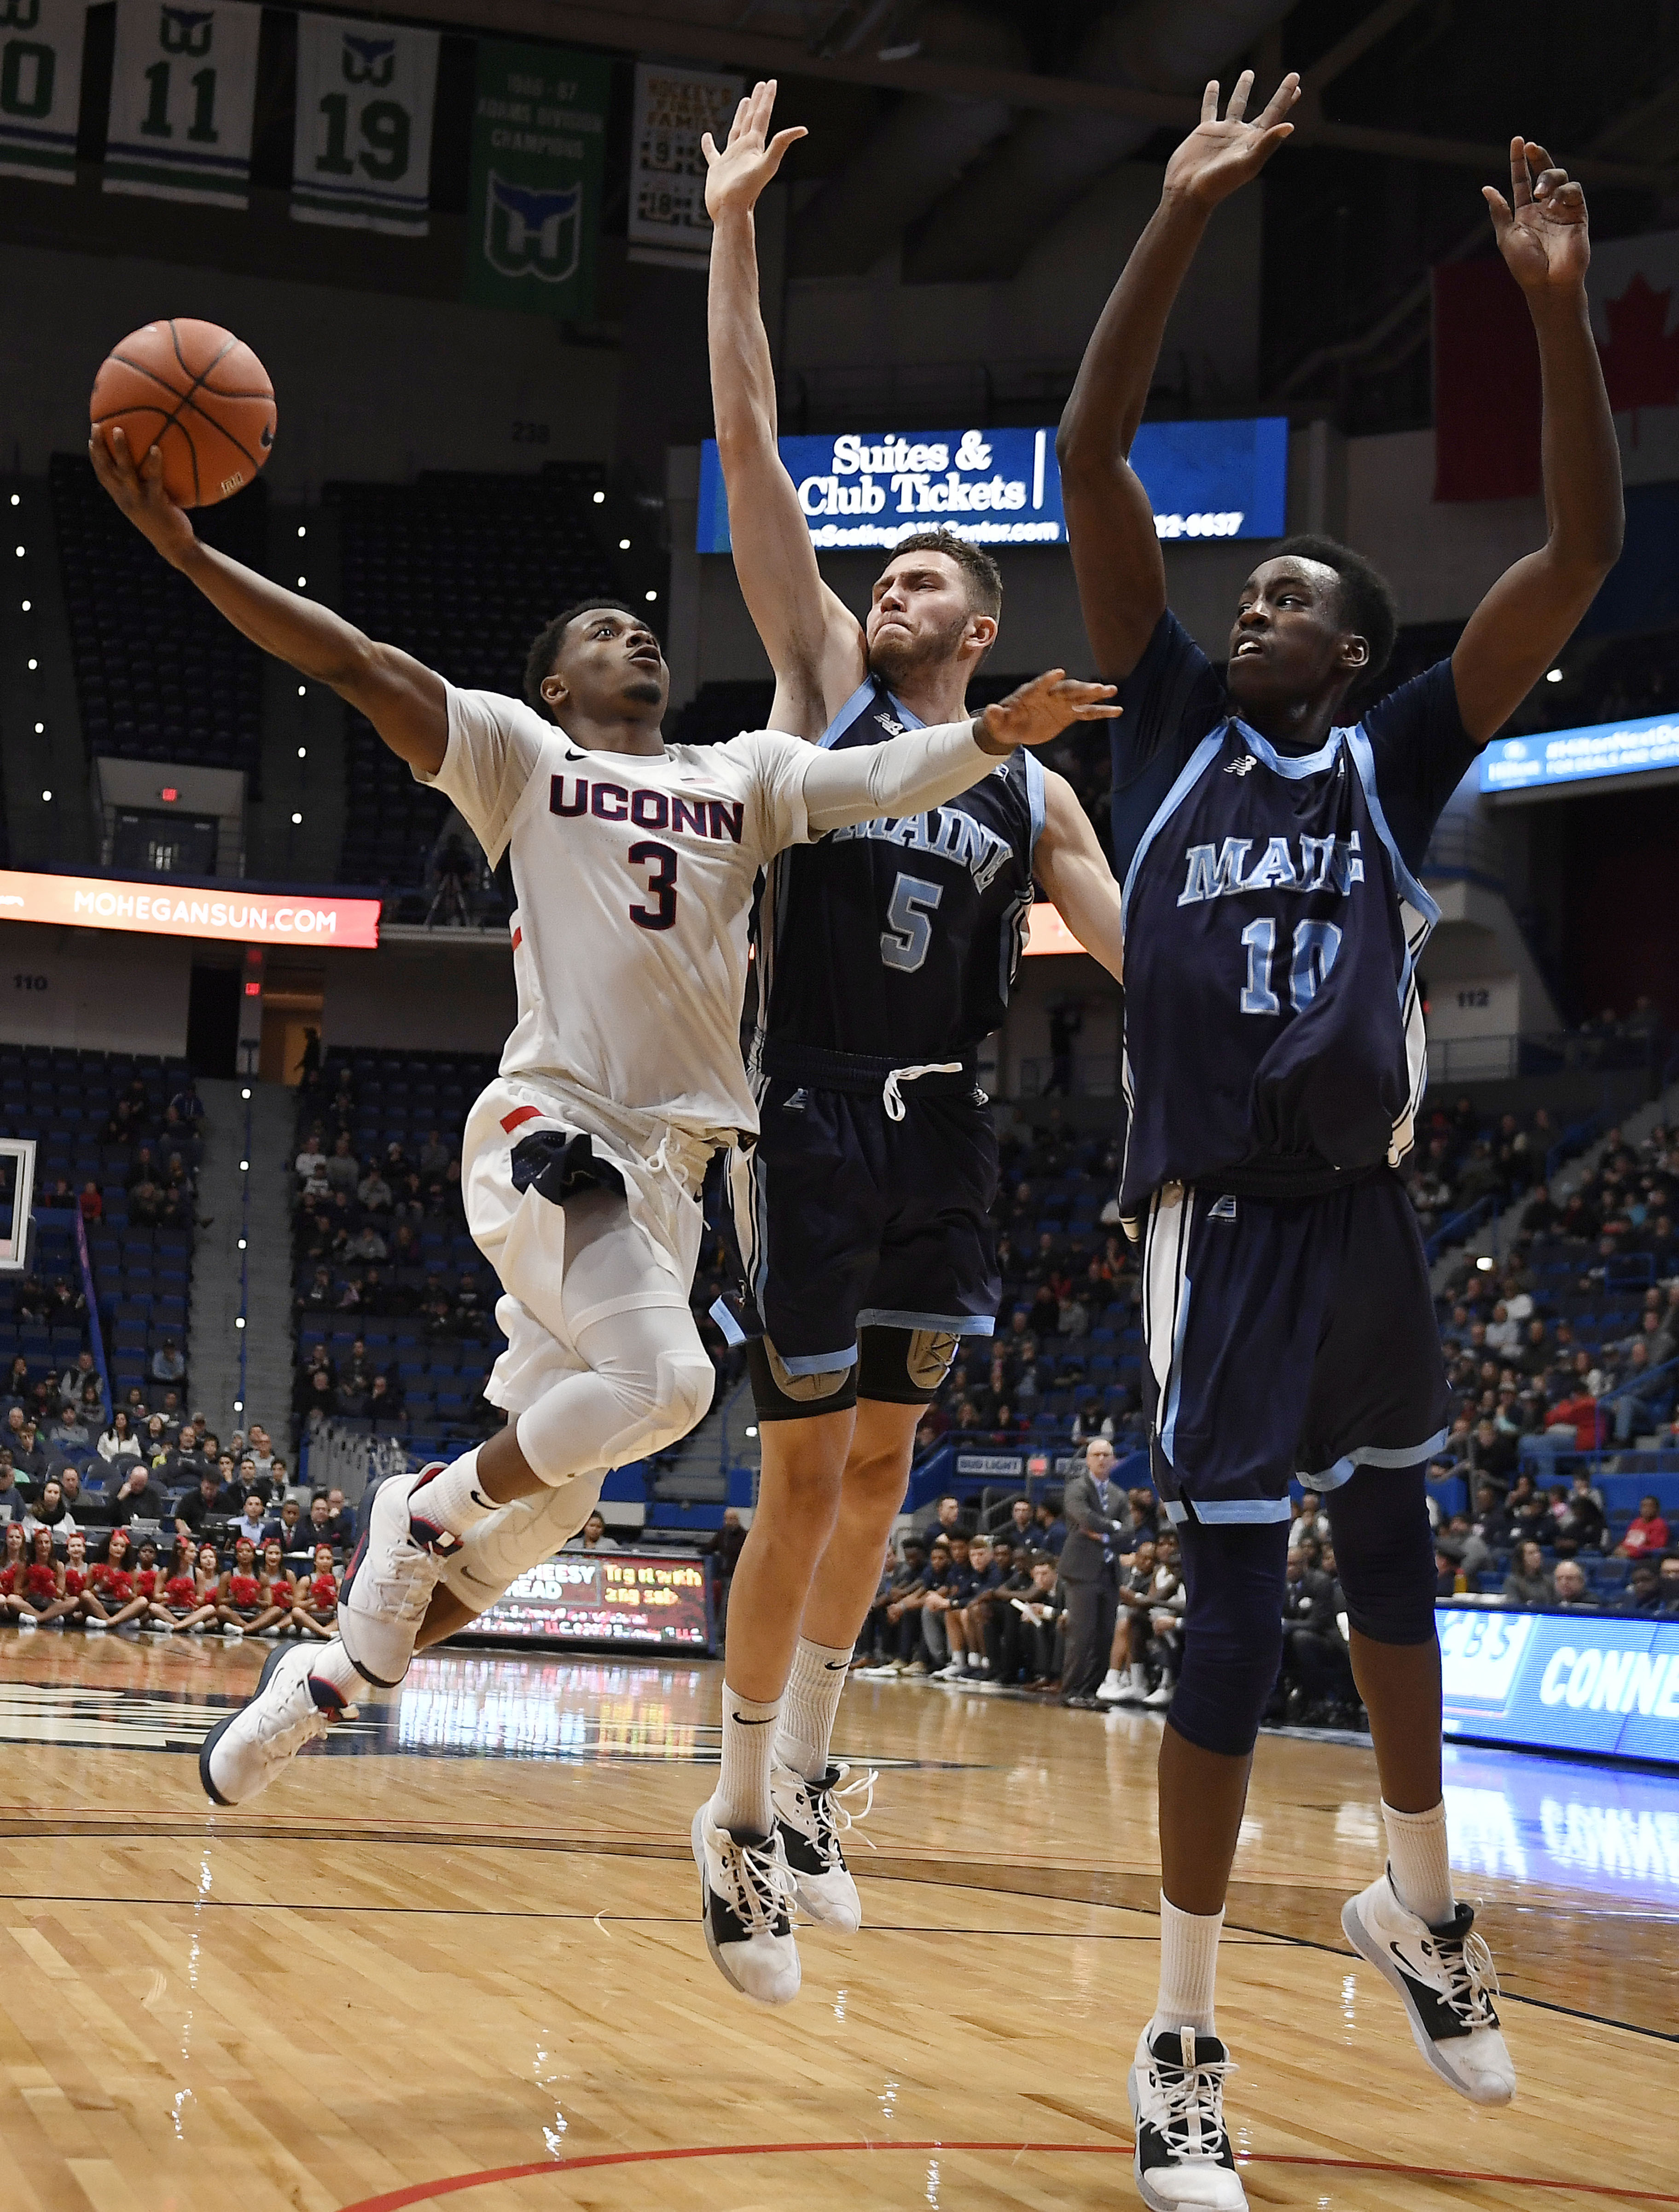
(893, 729)
(946, 832)
(1324, 864)
(648, 810)
(1222, 1209)
(1240, 767)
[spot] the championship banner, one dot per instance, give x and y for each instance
(361, 155)
(538, 134)
(40, 86)
(183, 86)
(675, 109)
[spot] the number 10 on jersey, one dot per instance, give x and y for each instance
(1315, 946)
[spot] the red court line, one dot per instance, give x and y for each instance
(422, 2192)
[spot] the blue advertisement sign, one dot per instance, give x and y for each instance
(1557, 756)
(870, 488)
(1610, 1831)
(1574, 1681)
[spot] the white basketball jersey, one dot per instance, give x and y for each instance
(634, 877)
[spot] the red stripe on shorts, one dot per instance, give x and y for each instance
(518, 938)
(511, 1122)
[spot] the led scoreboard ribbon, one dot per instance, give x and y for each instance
(631, 1598)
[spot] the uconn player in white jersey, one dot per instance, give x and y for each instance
(861, 1212)
(633, 865)
(1269, 842)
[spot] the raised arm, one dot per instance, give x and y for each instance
(926, 767)
(405, 700)
(1530, 614)
(1074, 873)
(1110, 523)
(815, 643)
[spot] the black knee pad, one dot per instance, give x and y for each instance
(780, 1395)
(1234, 1575)
(904, 1366)
(1384, 1553)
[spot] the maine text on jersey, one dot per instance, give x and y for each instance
(951, 834)
(1325, 864)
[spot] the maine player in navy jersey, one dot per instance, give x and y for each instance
(1270, 838)
(861, 1210)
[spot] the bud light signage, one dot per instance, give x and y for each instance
(869, 488)
(1576, 1681)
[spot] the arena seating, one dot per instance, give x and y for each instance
(462, 570)
(160, 675)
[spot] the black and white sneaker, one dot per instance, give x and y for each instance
(1446, 1981)
(746, 1893)
(811, 1818)
(1183, 2159)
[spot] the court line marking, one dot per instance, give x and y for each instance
(395, 2200)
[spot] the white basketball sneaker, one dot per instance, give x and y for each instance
(745, 1890)
(290, 1707)
(811, 1818)
(1183, 2159)
(1446, 1981)
(391, 1577)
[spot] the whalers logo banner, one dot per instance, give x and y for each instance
(40, 84)
(539, 134)
(183, 88)
(361, 149)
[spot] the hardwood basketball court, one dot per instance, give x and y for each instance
(459, 1960)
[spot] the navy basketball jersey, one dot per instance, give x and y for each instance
(1274, 1037)
(898, 941)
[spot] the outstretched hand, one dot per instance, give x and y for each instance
(735, 177)
(1219, 156)
(138, 488)
(1542, 228)
(1042, 709)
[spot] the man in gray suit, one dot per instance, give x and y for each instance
(1096, 1520)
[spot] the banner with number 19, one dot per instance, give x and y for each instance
(362, 152)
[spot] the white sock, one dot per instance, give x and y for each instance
(1110, 1679)
(453, 1499)
(1138, 1676)
(1189, 1968)
(810, 1707)
(740, 1801)
(332, 1664)
(1420, 1862)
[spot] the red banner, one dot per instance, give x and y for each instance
(1485, 385)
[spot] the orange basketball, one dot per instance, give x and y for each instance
(196, 393)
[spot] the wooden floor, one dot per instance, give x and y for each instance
(461, 1954)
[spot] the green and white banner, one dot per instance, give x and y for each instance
(361, 152)
(40, 86)
(183, 86)
(533, 219)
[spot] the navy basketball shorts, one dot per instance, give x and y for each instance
(1285, 1337)
(864, 1244)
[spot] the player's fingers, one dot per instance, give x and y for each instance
(1279, 102)
(151, 469)
(1498, 208)
(1548, 183)
(1521, 186)
(1238, 97)
(741, 113)
(1273, 138)
(783, 139)
(712, 157)
(1209, 101)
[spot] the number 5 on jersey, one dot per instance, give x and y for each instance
(908, 931)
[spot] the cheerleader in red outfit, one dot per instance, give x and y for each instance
(111, 1599)
(181, 1609)
(279, 1591)
(44, 1598)
(317, 1608)
(242, 1608)
(14, 1558)
(148, 1580)
(73, 1579)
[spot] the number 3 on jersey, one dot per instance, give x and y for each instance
(909, 932)
(660, 861)
(1315, 944)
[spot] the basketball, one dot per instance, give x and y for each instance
(199, 394)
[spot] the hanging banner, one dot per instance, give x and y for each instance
(183, 86)
(40, 86)
(675, 109)
(360, 154)
(538, 132)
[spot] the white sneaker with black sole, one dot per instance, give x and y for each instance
(746, 1893)
(1183, 2159)
(811, 1818)
(391, 1577)
(288, 1708)
(1446, 1981)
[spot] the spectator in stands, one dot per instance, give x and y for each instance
(14, 1499)
(17, 1382)
(187, 1103)
(1647, 1535)
(1528, 1586)
(118, 1440)
(253, 1520)
(1668, 1577)
(1310, 1523)
(1450, 1580)
(285, 1526)
(1572, 1592)
(134, 1495)
(341, 1519)
(204, 1505)
(311, 1166)
(366, 1244)
(591, 1536)
(1051, 1532)
(1580, 1519)
(343, 1170)
(434, 1155)
(91, 1203)
(375, 1193)
(319, 1530)
(167, 1363)
(49, 1510)
(1643, 1400)
(1643, 1596)
(385, 1400)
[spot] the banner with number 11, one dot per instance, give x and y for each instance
(183, 86)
